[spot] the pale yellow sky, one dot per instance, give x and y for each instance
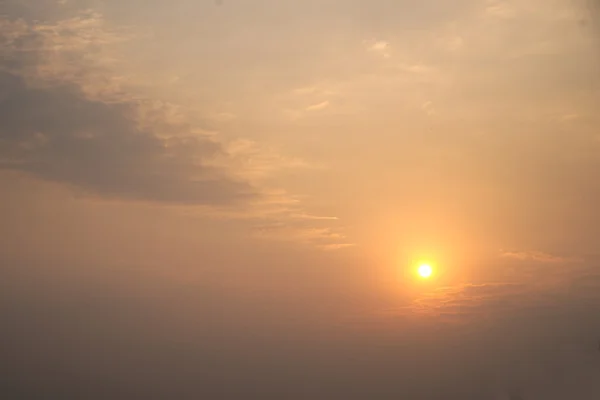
(279, 168)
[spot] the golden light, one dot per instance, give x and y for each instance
(425, 271)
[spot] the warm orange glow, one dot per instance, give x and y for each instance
(425, 271)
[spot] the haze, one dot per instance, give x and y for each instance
(230, 199)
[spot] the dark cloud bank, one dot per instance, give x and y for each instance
(54, 132)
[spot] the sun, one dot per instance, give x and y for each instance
(425, 271)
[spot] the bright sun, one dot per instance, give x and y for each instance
(425, 270)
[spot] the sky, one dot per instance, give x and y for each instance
(229, 199)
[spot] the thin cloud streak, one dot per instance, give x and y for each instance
(536, 256)
(319, 106)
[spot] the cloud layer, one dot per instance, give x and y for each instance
(54, 130)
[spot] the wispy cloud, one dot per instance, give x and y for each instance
(380, 47)
(306, 90)
(467, 305)
(325, 238)
(337, 246)
(461, 302)
(428, 107)
(540, 286)
(318, 106)
(535, 256)
(500, 9)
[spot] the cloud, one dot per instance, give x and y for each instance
(531, 336)
(536, 256)
(545, 326)
(428, 107)
(500, 9)
(324, 238)
(463, 302)
(314, 217)
(381, 47)
(58, 135)
(569, 117)
(319, 106)
(337, 246)
(224, 116)
(74, 50)
(305, 90)
(533, 292)
(55, 127)
(316, 90)
(258, 163)
(453, 43)
(68, 118)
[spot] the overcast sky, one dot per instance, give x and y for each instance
(206, 199)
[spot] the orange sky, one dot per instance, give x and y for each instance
(255, 182)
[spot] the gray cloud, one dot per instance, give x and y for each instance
(55, 131)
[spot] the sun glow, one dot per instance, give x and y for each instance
(425, 271)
